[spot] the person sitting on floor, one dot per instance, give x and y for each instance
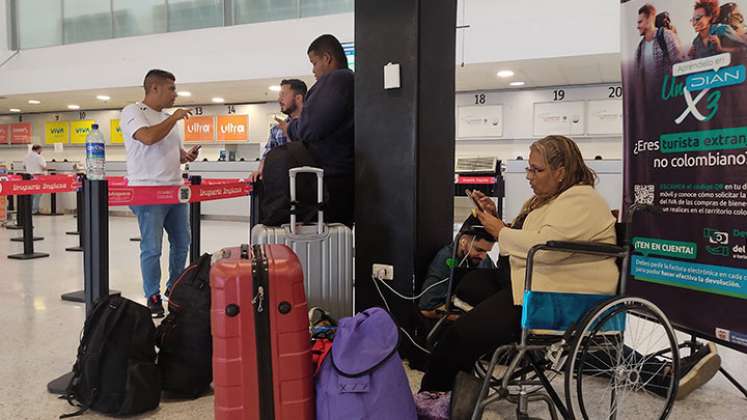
(471, 254)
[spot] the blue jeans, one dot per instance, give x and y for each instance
(153, 220)
(35, 199)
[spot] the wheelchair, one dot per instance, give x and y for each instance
(618, 355)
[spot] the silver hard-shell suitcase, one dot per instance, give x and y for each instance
(325, 251)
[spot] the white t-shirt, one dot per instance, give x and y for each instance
(34, 163)
(647, 55)
(155, 164)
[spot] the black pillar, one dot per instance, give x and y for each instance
(404, 145)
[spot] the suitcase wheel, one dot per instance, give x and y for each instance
(232, 310)
(284, 307)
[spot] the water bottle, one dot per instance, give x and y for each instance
(95, 154)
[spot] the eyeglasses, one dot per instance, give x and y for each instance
(696, 18)
(738, 17)
(534, 171)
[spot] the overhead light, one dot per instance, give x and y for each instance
(34, 102)
(73, 107)
(14, 110)
(275, 88)
(517, 83)
(218, 100)
(505, 73)
(184, 93)
(102, 97)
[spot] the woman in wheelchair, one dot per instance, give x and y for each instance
(565, 207)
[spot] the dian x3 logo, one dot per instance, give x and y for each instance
(718, 242)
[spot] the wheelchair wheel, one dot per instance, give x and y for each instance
(623, 363)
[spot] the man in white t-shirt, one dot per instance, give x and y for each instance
(35, 165)
(154, 157)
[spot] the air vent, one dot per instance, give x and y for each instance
(476, 164)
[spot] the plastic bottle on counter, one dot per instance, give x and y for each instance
(95, 154)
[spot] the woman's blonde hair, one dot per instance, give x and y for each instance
(559, 152)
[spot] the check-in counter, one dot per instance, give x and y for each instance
(609, 184)
(232, 208)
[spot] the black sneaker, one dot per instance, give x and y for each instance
(697, 369)
(156, 306)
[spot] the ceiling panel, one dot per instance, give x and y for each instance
(603, 68)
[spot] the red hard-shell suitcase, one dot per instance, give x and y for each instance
(262, 367)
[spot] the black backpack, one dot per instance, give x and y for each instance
(115, 370)
(183, 338)
(274, 190)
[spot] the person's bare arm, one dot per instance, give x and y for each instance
(155, 133)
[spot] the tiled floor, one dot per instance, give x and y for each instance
(40, 332)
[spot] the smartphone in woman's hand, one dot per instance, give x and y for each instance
(474, 199)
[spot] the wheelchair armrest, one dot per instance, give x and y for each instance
(585, 247)
(580, 247)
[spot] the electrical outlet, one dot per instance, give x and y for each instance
(383, 271)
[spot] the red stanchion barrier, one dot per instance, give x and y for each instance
(120, 194)
(476, 180)
(45, 184)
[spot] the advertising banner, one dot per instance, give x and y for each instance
(4, 133)
(20, 133)
(685, 131)
(199, 129)
(233, 127)
(79, 131)
(56, 132)
(116, 132)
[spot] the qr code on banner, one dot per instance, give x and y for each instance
(644, 194)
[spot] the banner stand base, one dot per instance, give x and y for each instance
(20, 239)
(733, 381)
(28, 256)
(79, 296)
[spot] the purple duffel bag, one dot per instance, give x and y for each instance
(362, 378)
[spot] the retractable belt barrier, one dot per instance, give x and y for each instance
(120, 193)
(475, 180)
(43, 184)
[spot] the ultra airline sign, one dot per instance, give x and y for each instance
(199, 129)
(233, 127)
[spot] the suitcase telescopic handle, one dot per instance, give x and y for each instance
(319, 194)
